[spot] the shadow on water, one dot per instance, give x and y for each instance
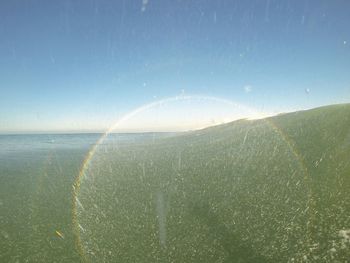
(237, 249)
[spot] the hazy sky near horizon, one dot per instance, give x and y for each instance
(80, 65)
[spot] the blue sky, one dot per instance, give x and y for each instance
(81, 65)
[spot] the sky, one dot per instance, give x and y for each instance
(81, 65)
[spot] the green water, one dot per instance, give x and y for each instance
(36, 176)
(274, 190)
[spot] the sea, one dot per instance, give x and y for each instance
(37, 173)
(203, 196)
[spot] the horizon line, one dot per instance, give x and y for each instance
(102, 131)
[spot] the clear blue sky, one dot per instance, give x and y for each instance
(79, 65)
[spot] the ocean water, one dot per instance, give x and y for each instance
(36, 177)
(232, 193)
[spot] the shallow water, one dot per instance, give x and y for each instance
(236, 193)
(36, 176)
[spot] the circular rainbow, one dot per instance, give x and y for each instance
(89, 156)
